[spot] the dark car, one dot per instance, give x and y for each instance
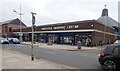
(109, 58)
(4, 41)
(14, 40)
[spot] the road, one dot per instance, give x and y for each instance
(78, 59)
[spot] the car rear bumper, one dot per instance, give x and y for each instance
(101, 60)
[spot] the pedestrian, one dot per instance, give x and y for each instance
(72, 39)
(79, 45)
(87, 42)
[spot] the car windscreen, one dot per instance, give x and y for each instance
(3, 39)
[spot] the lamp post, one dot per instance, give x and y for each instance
(119, 20)
(20, 22)
(33, 25)
(104, 34)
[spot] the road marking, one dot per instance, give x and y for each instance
(51, 52)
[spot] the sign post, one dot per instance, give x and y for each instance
(33, 23)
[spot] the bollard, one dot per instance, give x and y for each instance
(50, 43)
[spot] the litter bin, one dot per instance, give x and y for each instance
(79, 45)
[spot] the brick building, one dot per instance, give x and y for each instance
(8, 26)
(100, 31)
(0, 29)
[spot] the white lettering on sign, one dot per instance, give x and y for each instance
(61, 27)
(73, 26)
(76, 26)
(46, 28)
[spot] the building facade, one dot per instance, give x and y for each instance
(7, 27)
(0, 30)
(100, 31)
(71, 32)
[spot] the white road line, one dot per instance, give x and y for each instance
(51, 52)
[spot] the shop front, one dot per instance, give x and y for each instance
(70, 38)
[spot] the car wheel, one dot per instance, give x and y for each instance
(109, 65)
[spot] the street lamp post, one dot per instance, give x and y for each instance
(33, 25)
(104, 34)
(20, 23)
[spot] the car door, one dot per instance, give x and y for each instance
(116, 53)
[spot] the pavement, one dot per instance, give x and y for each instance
(64, 47)
(16, 60)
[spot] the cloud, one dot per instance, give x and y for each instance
(70, 10)
(52, 11)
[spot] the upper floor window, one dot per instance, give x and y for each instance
(10, 29)
(6, 28)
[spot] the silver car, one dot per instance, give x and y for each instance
(4, 41)
(14, 40)
(117, 42)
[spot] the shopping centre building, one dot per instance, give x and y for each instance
(103, 30)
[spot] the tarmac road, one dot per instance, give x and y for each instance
(77, 59)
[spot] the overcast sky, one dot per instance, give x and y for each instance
(57, 11)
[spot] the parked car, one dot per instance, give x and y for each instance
(109, 58)
(117, 42)
(4, 41)
(14, 40)
(41, 40)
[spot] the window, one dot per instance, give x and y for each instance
(6, 29)
(2, 29)
(10, 29)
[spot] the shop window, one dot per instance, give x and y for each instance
(67, 39)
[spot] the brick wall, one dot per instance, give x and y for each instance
(7, 29)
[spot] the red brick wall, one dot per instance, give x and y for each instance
(97, 37)
(103, 28)
(7, 31)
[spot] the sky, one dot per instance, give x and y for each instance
(56, 11)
